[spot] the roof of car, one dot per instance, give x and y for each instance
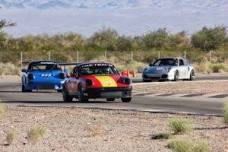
(43, 62)
(173, 58)
(95, 64)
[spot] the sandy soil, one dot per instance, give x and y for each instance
(184, 87)
(75, 129)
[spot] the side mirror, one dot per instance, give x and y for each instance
(24, 70)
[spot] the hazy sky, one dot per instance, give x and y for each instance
(131, 17)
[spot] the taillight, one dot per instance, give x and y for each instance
(124, 80)
(30, 76)
(89, 82)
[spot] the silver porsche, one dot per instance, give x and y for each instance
(169, 69)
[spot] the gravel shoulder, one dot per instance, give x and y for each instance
(76, 129)
(184, 87)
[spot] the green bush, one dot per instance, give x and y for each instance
(180, 145)
(35, 134)
(184, 145)
(10, 136)
(226, 112)
(217, 67)
(180, 126)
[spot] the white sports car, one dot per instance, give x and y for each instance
(169, 69)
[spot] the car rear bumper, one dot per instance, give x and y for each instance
(107, 93)
(44, 86)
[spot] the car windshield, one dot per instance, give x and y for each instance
(43, 67)
(97, 70)
(165, 62)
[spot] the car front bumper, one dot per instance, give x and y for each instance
(156, 77)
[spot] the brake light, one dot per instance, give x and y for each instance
(124, 80)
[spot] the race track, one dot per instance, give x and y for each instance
(11, 95)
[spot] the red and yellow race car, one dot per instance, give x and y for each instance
(96, 80)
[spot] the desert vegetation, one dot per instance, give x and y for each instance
(207, 48)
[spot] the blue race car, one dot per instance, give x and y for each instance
(43, 75)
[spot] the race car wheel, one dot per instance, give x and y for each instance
(192, 75)
(110, 99)
(66, 97)
(81, 97)
(176, 76)
(126, 99)
(23, 89)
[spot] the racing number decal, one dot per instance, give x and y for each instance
(106, 81)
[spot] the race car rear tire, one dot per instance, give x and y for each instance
(110, 99)
(23, 89)
(126, 99)
(192, 75)
(81, 97)
(66, 97)
(176, 76)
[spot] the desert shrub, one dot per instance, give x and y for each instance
(2, 110)
(35, 134)
(200, 146)
(184, 145)
(226, 112)
(9, 69)
(180, 126)
(180, 145)
(10, 136)
(217, 67)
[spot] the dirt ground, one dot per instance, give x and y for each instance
(75, 129)
(185, 87)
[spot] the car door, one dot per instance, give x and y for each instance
(184, 69)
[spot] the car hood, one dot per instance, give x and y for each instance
(157, 69)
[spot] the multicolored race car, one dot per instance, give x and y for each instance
(96, 80)
(43, 75)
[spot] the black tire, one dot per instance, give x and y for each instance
(81, 97)
(147, 80)
(126, 99)
(23, 89)
(110, 99)
(176, 76)
(60, 90)
(66, 96)
(192, 75)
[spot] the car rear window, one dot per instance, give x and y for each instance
(97, 70)
(43, 67)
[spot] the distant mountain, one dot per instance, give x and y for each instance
(46, 4)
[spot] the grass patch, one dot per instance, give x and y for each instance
(219, 67)
(226, 112)
(2, 110)
(180, 126)
(161, 136)
(184, 145)
(35, 134)
(10, 136)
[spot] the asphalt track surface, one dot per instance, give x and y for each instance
(11, 95)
